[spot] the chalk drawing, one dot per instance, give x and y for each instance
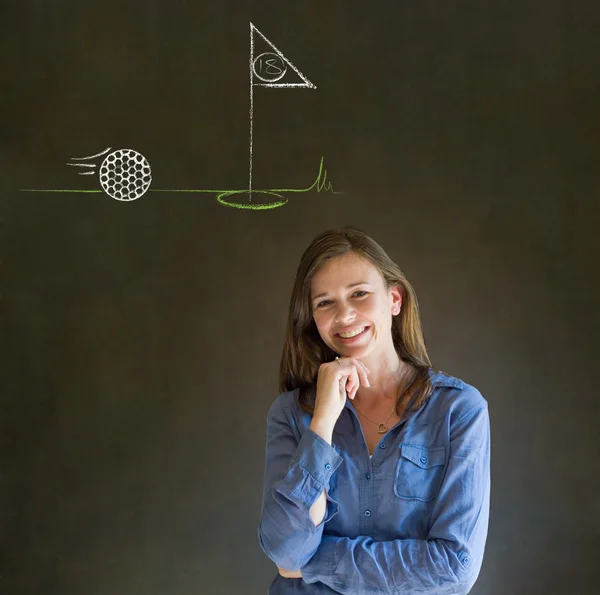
(88, 165)
(125, 175)
(272, 67)
(269, 67)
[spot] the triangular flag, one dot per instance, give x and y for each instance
(271, 66)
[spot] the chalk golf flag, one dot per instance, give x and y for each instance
(269, 68)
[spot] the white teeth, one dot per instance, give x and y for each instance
(353, 333)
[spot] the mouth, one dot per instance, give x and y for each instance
(353, 335)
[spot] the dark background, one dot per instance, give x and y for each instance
(141, 341)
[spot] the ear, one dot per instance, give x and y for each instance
(396, 299)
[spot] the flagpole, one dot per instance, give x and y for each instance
(251, 108)
(268, 82)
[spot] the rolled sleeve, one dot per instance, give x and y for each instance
(297, 470)
(311, 468)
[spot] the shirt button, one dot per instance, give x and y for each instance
(423, 460)
(367, 513)
(327, 466)
(384, 445)
(368, 476)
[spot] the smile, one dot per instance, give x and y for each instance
(354, 333)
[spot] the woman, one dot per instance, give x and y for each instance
(377, 476)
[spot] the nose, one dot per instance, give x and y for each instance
(344, 313)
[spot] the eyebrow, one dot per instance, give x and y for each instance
(348, 287)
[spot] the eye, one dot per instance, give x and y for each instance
(359, 293)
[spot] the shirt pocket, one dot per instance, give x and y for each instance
(419, 471)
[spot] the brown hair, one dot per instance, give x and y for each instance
(304, 350)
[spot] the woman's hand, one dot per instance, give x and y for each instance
(289, 573)
(334, 380)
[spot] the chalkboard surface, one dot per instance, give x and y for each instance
(142, 319)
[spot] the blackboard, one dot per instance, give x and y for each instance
(141, 337)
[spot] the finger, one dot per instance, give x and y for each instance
(367, 371)
(350, 384)
(362, 365)
(355, 382)
(364, 378)
(356, 362)
(353, 374)
(342, 361)
(342, 386)
(362, 372)
(357, 370)
(344, 370)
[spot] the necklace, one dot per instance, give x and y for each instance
(381, 427)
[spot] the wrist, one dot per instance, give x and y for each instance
(322, 427)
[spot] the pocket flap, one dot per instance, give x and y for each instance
(423, 456)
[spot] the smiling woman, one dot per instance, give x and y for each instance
(377, 468)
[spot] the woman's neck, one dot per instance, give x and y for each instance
(388, 380)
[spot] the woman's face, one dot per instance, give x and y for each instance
(348, 294)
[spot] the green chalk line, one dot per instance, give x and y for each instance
(43, 190)
(321, 184)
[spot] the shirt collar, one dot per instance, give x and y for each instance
(438, 379)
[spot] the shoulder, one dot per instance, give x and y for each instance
(286, 407)
(285, 414)
(455, 396)
(284, 404)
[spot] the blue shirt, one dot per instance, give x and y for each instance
(411, 519)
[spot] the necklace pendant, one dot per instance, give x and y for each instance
(382, 429)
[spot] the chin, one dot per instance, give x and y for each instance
(357, 352)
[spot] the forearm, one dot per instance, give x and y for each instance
(353, 566)
(318, 509)
(296, 506)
